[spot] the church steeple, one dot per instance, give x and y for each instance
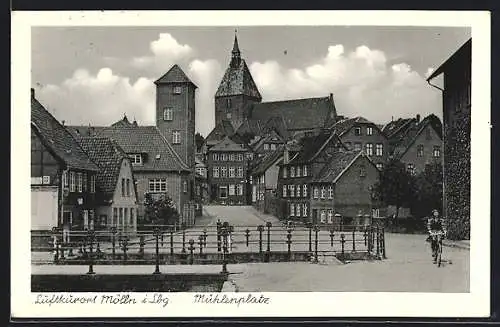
(235, 54)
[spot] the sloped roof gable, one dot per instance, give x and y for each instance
(174, 75)
(238, 81)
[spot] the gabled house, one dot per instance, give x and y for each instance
(222, 130)
(228, 178)
(63, 177)
(342, 192)
(361, 134)
(268, 143)
(116, 201)
(395, 130)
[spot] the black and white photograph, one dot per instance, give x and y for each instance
(245, 164)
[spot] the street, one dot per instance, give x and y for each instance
(234, 215)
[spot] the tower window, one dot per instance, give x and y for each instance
(177, 90)
(168, 114)
(228, 103)
(176, 137)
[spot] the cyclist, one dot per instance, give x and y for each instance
(436, 227)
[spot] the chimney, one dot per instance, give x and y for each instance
(62, 121)
(32, 93)
(418, 118)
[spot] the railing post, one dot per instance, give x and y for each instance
(309, 226)
(378, 242)
(61, 250)
(365, 234)
(383, 243)
(316, 231)
(124, 247)
(219, 227)
(55, 245)
(171, 242)
(91, 241)
(183, 238)
(156, 232)
(354, 240)
(141, 246)
(289, 242)
(200, 243)
(260, 228)
(224, 250)
(342, 243)
(205, 237)
(247, 235)
(191, 250)
(331, 236)
(113, 242)
(268, 251)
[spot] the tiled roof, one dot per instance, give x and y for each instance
(306, 113)
(312, 145)
(124, 122)
(337, 166)
(411, 135)
(267, 160)
(395, 127)
(249, 127)
(147, 140)
(108, 155)
(84, 131)
(238, 81)
(228, 145)
(174, 75)
(58, 139)
(343, 126)
(219, 132)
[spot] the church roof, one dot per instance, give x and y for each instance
(308, 113)
(55, 137)
(238, 81)
(174, 75)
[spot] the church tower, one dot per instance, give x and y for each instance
(175, 112)
(236, 92)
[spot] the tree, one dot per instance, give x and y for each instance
(160, 211)
(395, 186)
(199, 140)
(429, 191)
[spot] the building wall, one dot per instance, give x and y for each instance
(43, 163)
(457, 125)
(428, 138)
(377, 137)
(183, 106)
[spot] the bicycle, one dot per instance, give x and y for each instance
(437, 238)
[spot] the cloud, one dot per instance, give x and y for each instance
(362, 81)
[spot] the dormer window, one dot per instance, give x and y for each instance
(168, 114)
(176, 137)
(177, 90)
(357, 131)
(369, 131)
(135, 159)
(228, 103)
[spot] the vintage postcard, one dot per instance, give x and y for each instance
(218, 164)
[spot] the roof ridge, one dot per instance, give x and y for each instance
(296, 99)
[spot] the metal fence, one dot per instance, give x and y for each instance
(221, 244)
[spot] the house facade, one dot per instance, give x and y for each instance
(63, 177)
(264, 176)
(116, 203)
(228, 178)
(456, 90)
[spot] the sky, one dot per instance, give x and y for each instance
(95, 75)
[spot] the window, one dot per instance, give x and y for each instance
(292, 191)
(114, 222)
(84, 182)
(92, 184)
(125, 216)
(79, 181)
(135, 159)
(215, 172)
(239, 157)
(323, 216)
(369, 149)
(304, 190)
(185, 186)
(330, 216)
(298, 191)
(304, 210)
(380, 166)
(177, 90)
(176, 137)
(223, 172)
(231, 189)
(284, 191)
(231, 157)
(357, 146)
(85, 219)
(292, 171)
(262, 179)
(323, 192)
(369, 131)
(297, 209)
(232, 172)
(65, 178)
(215, 157)
(420, 150)
(330, 192)
(158, 185)
(304, 171)
(128, 186)
(292, 209)
(239, 189)
(223, 157)
(168, 114)
(123, 187)
(284, 172)
(266, 146)
(436, 152)
(228, 103)
(380, 149)
(362, 171)
(223, 192)
(273, 146)
(240, 172)
(132, 211)
(316, 192)
(357, 131)
(410, 168)
(299, 171)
